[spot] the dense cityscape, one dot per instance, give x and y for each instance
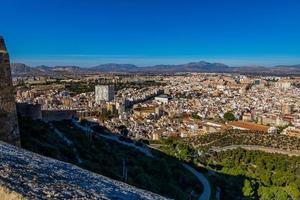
(149, 100)
(197, 118)
(182, 105)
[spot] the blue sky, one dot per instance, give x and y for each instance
(146, 32)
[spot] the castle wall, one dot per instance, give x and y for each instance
(58, 115)
(9, 129)
(33, 111)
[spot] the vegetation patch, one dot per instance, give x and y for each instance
(243, 174)
(161, 174)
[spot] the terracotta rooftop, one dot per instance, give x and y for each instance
(249, 125)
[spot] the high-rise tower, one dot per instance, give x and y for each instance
(9, 129)
(104, 93)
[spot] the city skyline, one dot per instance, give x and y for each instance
(148, 33)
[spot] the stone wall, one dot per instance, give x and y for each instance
(58, 115)
(26, 175)
(9, 129)
(33, 111)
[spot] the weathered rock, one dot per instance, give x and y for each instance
(26, 175)
(9, 130)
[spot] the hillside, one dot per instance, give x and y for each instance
(244, 174)
(238, 137)
(18, 69)
(160, 174)
(240, 173)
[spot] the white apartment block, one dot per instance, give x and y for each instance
(104, 93)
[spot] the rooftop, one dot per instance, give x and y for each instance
(249, 125)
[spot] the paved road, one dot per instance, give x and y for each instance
(206, 186)
(145, 150)
(259, 148)
(69, 143)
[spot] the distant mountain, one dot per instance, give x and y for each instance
(189, 67)
(70, 69)
(20, 68)
(276, 70)
(113, 67)
(202, 66)
(43, 68)
(288, 66)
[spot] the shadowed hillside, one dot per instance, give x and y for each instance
(160, 174)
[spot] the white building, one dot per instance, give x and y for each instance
(104, 93)
(162, 99)
(283, 84)
(121, 106)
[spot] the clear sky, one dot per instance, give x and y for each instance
(146, 32)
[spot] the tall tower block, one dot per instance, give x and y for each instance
(9, 128)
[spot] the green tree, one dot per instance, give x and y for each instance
(229, 116)
(248, 189)
(281, 195)
(293, 191)
(265, 193)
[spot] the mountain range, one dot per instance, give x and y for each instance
(202, 66)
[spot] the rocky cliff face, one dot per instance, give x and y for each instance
(9, 131)
(25, 175)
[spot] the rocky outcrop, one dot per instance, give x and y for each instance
(9, 130)
(26, 175)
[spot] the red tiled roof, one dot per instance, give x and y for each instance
(249, 125)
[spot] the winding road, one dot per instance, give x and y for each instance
(206, 186)
(203, 180)
(144, 150)
(258, 148)
(69, 143)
